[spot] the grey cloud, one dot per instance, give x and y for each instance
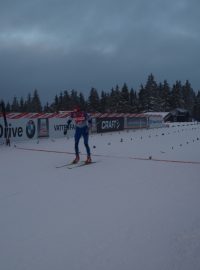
(53, 44)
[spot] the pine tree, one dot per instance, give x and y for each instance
(61, 102)
(104, 101)
(188, 96)
(93, 101)
(196, 107)
(133, 101)
(124, 102)
(47, 109)
(165, 96)
(28, 104)
(74, 99)
(143, 99)
(8, 107)
(152, 94)
(176, 96)
(55, 104)
(67, 101)
(36, 103)
(15, 105)
(21, 105)
(82, 102)
(114, 99)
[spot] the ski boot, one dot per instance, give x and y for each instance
(76, 160)
(88, 160)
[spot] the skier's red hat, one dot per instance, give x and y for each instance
(77, 108)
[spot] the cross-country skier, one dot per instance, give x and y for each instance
(82, 122)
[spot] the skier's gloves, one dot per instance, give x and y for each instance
(68, 123)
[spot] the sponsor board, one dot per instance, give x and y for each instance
(26, 129)
(109, 124)
(155, 121)
(43, 127)
(137, 122)
(18, 130)
(58, 126)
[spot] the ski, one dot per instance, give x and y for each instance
(65, 165)
(77, 165)
(72, 165)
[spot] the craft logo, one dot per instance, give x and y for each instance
(110, 124)
(30, 129)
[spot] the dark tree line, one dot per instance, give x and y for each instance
(31, 104)
(150, 97)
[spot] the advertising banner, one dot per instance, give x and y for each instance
(155, 121)
(25, 128)
(20, 129)
(109, 124)
(137, 122)
(43, 127)
(57, 127)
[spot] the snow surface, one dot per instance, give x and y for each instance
(122, 212)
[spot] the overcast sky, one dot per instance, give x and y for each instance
(56, 45)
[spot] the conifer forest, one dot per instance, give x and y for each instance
(150, 97)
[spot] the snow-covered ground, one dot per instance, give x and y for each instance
(136, 208)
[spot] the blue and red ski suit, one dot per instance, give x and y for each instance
(82, 121)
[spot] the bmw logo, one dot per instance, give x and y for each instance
(30, 129)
